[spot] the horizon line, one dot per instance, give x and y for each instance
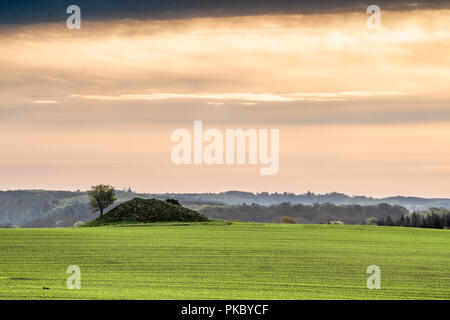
(242, 191)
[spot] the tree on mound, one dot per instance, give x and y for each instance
(149, 210)
(101, 197)
(173, 201)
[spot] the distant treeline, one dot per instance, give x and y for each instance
(310, 198)
(42, 208)
(432, 218)
(314, 214)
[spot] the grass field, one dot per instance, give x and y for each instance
(238, 261)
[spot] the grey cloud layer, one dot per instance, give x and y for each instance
(75, 113)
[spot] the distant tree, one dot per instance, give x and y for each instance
(100, 197)
(407, 220)
(402, 222)
(289, 220)
(173, 201)
(436, 221)
(414, 220)
(372, 221)
(444, 220)
(388, 221)
(428, 221)
(421, 221)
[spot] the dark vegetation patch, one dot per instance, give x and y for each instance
(321, 213)
(148, 210)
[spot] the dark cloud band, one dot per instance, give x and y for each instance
(32, 11)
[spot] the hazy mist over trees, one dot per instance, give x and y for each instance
(41, 208)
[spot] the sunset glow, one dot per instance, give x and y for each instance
(359, 111)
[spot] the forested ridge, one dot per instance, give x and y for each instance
(43, 208)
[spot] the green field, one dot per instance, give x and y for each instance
(238, 261)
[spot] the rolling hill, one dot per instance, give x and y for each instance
(147, 210)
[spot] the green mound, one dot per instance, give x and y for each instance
(147, 210)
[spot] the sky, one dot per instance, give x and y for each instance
(359, 111)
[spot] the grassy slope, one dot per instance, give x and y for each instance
(239, 261)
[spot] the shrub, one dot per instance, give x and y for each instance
(335, 222)
(290, 220)
(173, 201)
(372, 221)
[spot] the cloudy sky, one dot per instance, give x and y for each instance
(359, 111)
